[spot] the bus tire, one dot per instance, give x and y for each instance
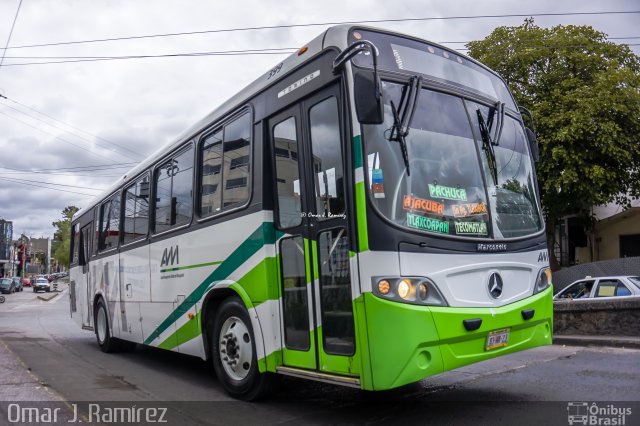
(107, 343)
(234, 353)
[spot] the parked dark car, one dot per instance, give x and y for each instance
(19, 284)
(7, 285)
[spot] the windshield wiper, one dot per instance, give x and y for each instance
(497, 109)
(402, 125)
(487, 146)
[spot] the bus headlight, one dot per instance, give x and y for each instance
(384, 287)
(412, 290)
(405, 288)
(543, 281)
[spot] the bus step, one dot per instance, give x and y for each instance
(353, 382)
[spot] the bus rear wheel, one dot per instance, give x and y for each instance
(108, 343)
(233, 351)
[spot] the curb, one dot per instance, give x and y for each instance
(611, 341)
(47, 297)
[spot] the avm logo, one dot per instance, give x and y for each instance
(170, 256)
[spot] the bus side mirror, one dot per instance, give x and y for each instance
(368, 98)
(533, 144)
(367, 87)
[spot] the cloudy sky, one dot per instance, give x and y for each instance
(77, 126)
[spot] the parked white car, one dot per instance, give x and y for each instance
(601, 287)
(41, 284)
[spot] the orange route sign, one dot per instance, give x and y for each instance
(462, 210)
(412, 203)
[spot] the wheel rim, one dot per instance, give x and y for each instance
(102, 325)
(236, 350)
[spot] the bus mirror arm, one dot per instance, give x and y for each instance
(366, 83)
(533, 144)
(531, 135)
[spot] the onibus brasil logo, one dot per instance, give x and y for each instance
(594, 414)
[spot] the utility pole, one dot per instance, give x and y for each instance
(48, 255)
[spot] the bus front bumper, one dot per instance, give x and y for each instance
(408, 343)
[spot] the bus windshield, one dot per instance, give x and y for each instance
(447, 187)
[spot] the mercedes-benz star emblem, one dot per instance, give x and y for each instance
(495, 285)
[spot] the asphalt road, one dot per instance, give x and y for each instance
(531, 387)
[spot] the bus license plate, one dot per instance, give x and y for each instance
(497, 339)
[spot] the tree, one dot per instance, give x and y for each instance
(62, 237)
(584, 93)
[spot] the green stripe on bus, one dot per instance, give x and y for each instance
(199, 265)
(188, 331)
(357, 152)
(361, 215)
(265, 234)
(252, 282)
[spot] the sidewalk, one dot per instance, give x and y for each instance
(17, 383)
(581, 340)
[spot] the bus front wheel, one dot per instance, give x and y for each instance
(234, 353)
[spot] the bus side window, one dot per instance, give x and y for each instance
(327, 158)
(211, 178)
(109, 224)
(75, 243)
(288, 188)
(225, 167)
(96, 234)
(174, 191)
(136, 211)
(85, 243)
(236, 157)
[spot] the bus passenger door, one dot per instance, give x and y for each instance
(84, 285)
(299, 340)
(314, 256)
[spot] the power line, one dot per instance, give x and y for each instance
(171, 55)
(274, 50)
(74, 127)
(59, 174)
(13, 24)
(54, 184)
(65, 130)
(198, 54)
(51, 134)
(79, 168)
(46, 187)
(371, 21)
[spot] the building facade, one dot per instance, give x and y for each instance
(6, 234)
(616, 234)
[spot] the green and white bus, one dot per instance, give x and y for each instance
(366, 213)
